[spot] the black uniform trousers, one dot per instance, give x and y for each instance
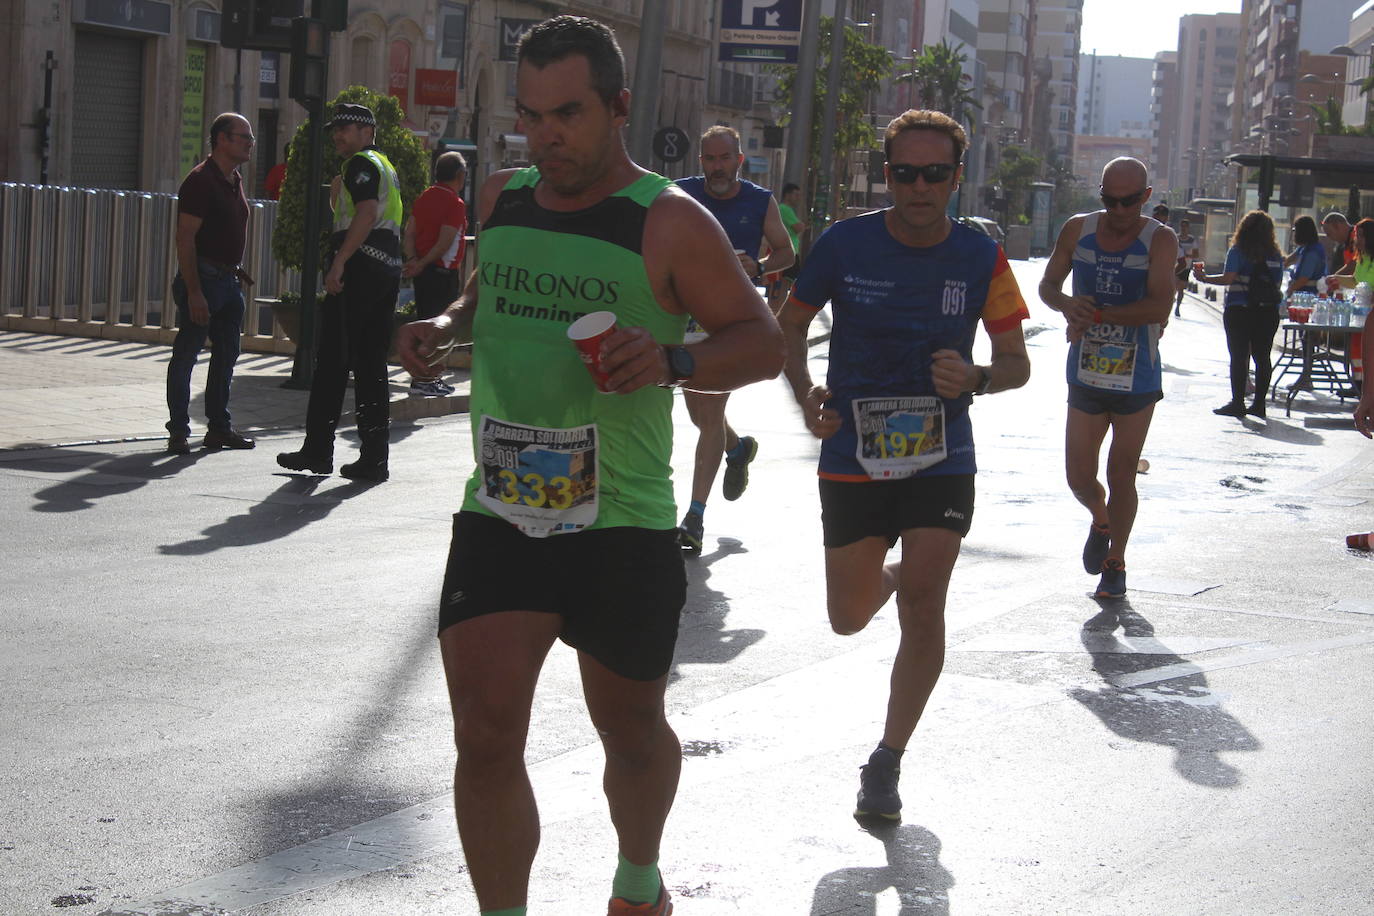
(355, 335)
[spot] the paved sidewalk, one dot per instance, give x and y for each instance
(58, 390)
(79, 390)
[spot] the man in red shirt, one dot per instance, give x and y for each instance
(437, 222)
(276, 176)
(211, 233)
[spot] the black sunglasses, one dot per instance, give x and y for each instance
(1130, 200)
(935, 173)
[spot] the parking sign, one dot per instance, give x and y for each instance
(760, 31)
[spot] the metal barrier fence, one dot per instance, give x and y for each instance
(95, 263)
(98, 263)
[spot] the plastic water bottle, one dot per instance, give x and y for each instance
(1321, 313)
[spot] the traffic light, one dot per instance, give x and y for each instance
(259, 25)
(309, 60)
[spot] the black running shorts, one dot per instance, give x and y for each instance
(852, 511)
(1097, 401)
(620, 591)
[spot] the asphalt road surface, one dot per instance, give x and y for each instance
(223, 692)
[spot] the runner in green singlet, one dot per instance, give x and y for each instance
(567, 526)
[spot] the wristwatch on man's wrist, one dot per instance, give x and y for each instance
(681, 365)
(984, 381)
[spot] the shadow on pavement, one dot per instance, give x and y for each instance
(1181, 713)
(358, 782)
(702, 636)
(102, 474)
(913, 871)
(290, 508)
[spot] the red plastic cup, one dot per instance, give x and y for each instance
(587, 334)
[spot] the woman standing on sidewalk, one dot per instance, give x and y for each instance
(1253, 273)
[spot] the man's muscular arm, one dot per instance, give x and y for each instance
(694, 270)
(781, 254)
(1078, 311)
(421, 344)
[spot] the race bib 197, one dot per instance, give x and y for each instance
(899, 436)
(543, 481)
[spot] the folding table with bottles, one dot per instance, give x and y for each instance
(1316, 348)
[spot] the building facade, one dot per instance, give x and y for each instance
(1164, 102)
(1058, 30)
(128, 88)
(1208, 54)
(1111, 101)
(1359, 48)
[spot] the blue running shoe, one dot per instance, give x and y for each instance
(1095, 549)
(1113, 581)
(878, 787)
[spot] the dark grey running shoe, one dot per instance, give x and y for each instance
(1095, 549)
(878, 787)
(1113, 581)
(691, 532)
(737, 469)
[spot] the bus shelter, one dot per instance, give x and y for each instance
(1287, 187)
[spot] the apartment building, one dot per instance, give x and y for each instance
(1058, 30)
(1358, 46)
(127, 88)
(1208, 51)
(1164, 102)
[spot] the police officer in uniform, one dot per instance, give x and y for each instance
(362, 277)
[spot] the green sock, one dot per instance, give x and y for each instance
(636, 883)
(511, 911)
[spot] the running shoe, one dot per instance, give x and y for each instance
(737, 469)
(661, 907)
(1095, 549)
(430, 388)
(1113, 581)
(878, 787)
(691, 532)
(1230, 409)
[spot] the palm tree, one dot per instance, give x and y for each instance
(938, 79)
(1330, 117)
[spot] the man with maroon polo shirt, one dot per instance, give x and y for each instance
(212, 224)
(437, 221)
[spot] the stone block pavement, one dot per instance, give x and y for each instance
(79, 390)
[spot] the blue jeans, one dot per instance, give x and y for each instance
(225, 299)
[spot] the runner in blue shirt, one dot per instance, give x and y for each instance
(907, 288)
(1123, 286)
(750, 216)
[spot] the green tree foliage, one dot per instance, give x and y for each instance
(939, 82)
(1017, 169)
(397, 143)
(1330, 117)
(863, 70)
